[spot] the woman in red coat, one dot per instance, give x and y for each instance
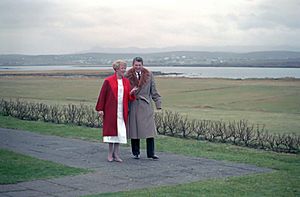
(112, 106)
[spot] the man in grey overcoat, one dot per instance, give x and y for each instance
(141, 123)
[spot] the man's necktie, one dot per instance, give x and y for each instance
(139, 75)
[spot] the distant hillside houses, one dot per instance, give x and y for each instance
(177, 58)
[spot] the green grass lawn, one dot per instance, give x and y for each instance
(283, 181)
(274, 103)
(71, 131)
(15, 167)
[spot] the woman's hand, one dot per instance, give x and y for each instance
(101, 113)
(133, 90)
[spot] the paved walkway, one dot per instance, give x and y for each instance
(108, 177)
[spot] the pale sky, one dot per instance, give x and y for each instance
(68, 26)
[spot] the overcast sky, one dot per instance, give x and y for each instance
(67, 26)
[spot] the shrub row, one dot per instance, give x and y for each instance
(169, 123)
(239, 132)
(59, 114)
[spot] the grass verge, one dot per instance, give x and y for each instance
(62, 130)
(15, 167)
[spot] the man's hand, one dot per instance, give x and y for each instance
(133, 90)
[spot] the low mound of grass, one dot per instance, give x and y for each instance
(15, 167)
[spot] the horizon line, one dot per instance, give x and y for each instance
(170, 51)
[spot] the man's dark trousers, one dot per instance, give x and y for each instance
(135, 146)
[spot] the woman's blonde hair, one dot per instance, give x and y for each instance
(116, 64)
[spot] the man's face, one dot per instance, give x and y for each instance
(137, 66)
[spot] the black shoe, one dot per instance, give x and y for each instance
(136, 156)
(155, 157)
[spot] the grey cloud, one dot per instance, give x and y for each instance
(40, 13)
(286, 14)
(39, 26)
(272, 14)
(26, 13)
(97, 16)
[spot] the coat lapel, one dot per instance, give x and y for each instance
(114, 85)
(131, 75)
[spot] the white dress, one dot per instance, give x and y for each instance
(121, 138)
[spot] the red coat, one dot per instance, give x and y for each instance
(108, 103)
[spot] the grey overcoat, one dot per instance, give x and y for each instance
(141, 115)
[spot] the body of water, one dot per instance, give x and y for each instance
(192, 72)
(231, 72)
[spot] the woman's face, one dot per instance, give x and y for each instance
(121, 70)
(137, 66)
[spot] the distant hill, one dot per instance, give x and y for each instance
(172, 58)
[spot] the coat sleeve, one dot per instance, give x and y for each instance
(131, 97)
(102, 97)
(154, 93)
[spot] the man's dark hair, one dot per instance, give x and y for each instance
(138, 59)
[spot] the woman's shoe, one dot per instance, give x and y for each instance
(110, 158)
(118, 159)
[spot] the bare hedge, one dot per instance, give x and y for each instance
(241, 132)
(81, 115)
